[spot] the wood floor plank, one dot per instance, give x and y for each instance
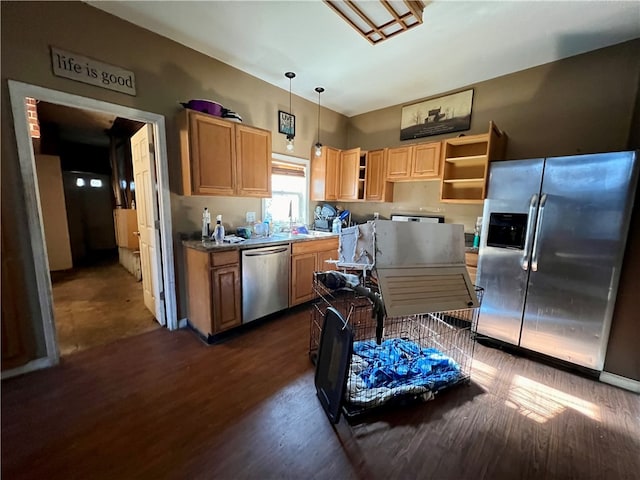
(165, 405)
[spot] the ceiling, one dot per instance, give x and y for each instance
(85, 126)
(459, 43)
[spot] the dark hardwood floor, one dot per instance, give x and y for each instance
(164, 405)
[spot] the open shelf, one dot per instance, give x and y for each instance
(466, 165)
(460, 192)
(471, 159)
(465, 180)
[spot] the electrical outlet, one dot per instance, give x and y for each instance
(251, 217)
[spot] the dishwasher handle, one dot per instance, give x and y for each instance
(261, 252)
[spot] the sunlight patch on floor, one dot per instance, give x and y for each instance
(541, 403)
(482, 373)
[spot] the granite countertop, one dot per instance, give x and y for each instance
(276, 239)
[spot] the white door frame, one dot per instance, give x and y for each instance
(18, 91)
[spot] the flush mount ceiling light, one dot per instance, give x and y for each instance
(318, 145)
(379, 20)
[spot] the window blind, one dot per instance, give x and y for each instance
(284, 168)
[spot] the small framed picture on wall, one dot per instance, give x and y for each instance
(286, 123)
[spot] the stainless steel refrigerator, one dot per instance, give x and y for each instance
(551, 248)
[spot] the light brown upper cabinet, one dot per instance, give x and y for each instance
(414, 162)
(220, 157)
(352, 175)
(398, 163)
(466, 165)
(425, 163)
(253, 150)
(324, 174)
(377, 189)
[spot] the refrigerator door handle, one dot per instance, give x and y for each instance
(533, 204)
(534, 258)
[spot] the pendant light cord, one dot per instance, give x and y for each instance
(291, 134)
(319, 90)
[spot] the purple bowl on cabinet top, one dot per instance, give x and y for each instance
(204, 106)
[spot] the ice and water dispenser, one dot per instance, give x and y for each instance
(507, 230)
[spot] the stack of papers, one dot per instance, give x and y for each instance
(233, 239)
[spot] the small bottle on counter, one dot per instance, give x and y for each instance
(206, 222)
(476, 233)
(218, 232)
(336, 226)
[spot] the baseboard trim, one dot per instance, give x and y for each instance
(33, 365)
(182, 323)
(622, 382)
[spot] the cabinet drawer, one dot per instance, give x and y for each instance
(314, 246)
(219, 259)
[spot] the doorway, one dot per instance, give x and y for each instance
(86, 186)
(162, 257)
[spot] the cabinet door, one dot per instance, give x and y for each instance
(318, 183)
(212, 155)
(426, 161)
(253, 150)
(398, 163)
(225, 285)
(349, 174)
(377, 188)
(323, 265)
(199, 290)
(324, 174)
(333, 173)
(302, 268)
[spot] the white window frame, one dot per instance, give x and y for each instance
(306, 164)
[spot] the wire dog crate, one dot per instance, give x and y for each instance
(411, 358)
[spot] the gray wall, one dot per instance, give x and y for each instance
(581, 104)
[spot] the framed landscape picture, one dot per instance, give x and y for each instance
(450, 113)
(286, 123)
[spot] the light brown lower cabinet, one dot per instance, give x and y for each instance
(471, 260)
(307, 258)
(213, 290)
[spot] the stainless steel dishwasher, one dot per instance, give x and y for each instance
(265, 281)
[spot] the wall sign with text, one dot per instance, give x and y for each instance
(87, 70)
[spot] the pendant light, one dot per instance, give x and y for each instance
(318, 144)
(290, 136)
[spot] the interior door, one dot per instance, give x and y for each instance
(147, 210)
